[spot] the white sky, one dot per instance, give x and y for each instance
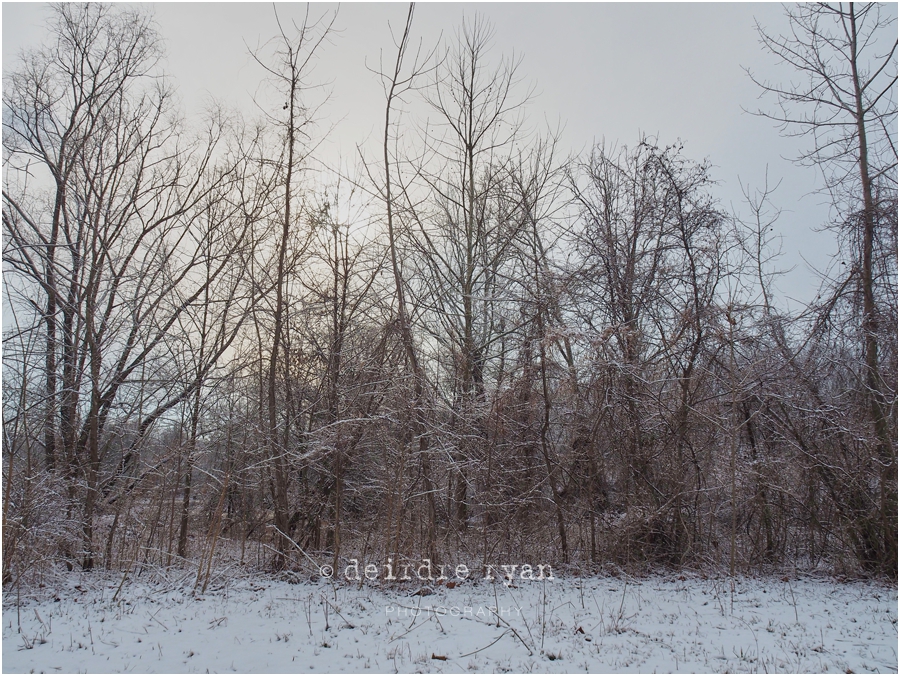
(603, 70)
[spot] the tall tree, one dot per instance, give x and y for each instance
(120, 238)
(398, 82)
(293, 59)
(845, 56)
(463, 242)
(846, 101)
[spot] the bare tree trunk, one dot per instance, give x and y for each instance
(545, 444)
(874, 384)
(397, 85)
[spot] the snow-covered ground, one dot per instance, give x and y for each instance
(661, 624)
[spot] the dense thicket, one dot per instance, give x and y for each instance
(481, 353)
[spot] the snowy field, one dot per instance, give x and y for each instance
(661, 624)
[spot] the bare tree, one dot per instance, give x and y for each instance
(463, 242)
(121, 250)
(651, 251)
(293, 58)
(846, 101)
(398, 82)
(53, 106)
(534, 193)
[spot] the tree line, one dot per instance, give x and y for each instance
(475, 349)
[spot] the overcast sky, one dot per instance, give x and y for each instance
(602, 70)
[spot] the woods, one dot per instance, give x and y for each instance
(473, 350)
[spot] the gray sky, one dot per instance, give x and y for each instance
(603, 70)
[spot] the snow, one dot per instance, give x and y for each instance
(597, 624)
